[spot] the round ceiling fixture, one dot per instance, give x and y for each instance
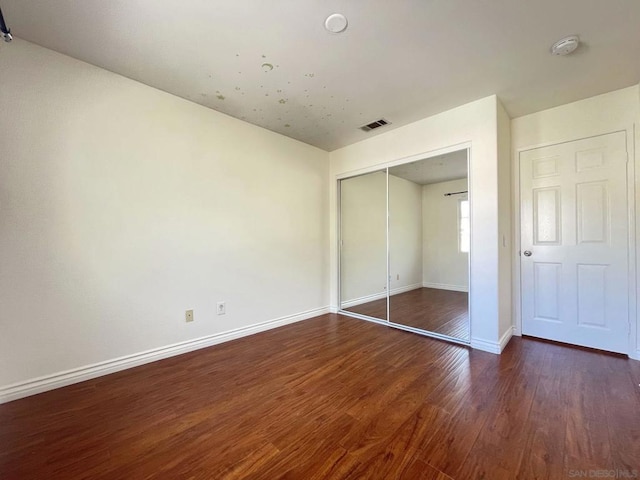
(336, 23)
(566, 45)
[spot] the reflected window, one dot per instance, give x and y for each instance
(464, 238)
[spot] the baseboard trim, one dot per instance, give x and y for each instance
(407, 288)
(365, 299)
(77, 375)
(444, 286)
(506, 338)
(379, 296)
(493, 347)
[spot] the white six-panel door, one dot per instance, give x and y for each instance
(574, 242)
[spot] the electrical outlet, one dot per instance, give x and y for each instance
(398, 277)
(221, 308)
(188, 316)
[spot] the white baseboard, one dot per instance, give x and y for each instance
(333, 309)
(379, 296)
(506, 337)
(365, 299)
(407, 288)
(76, 375)
(444, 286)
(493, 347)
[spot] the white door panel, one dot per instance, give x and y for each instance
(574, 222)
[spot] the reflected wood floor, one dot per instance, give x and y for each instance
(431, 309)
(335, 398)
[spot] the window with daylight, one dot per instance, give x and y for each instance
(464, 238)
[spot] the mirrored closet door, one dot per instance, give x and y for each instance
(363, 245)
(429, 239)
(404, 246)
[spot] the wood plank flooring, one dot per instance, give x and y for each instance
(430, 309)
(336, 398)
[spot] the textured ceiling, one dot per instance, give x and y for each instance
(441, 168)
(273, 64)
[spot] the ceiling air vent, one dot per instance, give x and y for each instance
(377, 124)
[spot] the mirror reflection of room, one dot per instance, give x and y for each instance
(363, 249)
(429, 240)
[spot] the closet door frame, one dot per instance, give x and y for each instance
(385, 167)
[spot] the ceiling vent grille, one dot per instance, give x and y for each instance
(377, 124)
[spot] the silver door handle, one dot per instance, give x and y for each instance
(527, 253)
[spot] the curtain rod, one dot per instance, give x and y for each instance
(4, 30)
(455, 193)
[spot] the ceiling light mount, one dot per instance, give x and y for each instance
(566, 45)
(336, 23)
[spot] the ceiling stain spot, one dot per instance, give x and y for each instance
(220, 97)
(286, 125)
(203, 94)
(237, 88)
(255, 110)
(282, 101)
(267, 67)
(237, 54)
(264, 56)
(279, 91)
(310, 75)
(266, 94)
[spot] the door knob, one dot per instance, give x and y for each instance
(527, 253)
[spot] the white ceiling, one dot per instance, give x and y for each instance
(441, 168)
(402, 60)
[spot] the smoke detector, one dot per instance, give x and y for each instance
(566, 45)
(336, 23)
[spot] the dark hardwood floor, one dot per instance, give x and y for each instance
(431, 309)
(332, 398)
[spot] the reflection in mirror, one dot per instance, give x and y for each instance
(363, 245)
(429, 239)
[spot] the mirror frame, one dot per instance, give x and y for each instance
(413, 158)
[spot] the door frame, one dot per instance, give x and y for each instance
(633, 350)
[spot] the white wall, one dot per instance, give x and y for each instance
(405, 235)
(614, 111)
(444, 265)
(363, 259)
(122, 206)
(475, 124)
(505, 229)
